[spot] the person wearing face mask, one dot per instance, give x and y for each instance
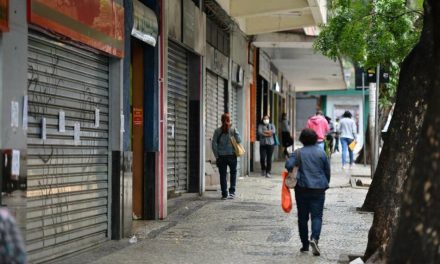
(225, 155)
(266, 130)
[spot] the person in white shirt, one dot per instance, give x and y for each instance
(347, 134)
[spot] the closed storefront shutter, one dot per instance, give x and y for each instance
(221, 98)
(235, 121)
(212, 120)
(177, 118)
(215, 108)
(234, 110)
(67, 195)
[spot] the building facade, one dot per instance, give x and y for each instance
(108, 109)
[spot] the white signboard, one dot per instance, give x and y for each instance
(43, 129)
(76, 133)
(15, 162)
(96, 117)
(62, 121)
(14, 114)
(25, 112)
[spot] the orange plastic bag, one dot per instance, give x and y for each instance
(286, 197)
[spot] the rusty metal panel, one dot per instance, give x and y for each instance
(99, 24)
(67, 208)
(4, 15)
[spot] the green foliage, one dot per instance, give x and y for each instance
(370, 33)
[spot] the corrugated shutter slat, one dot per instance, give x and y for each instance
(177, 118)
(67, 195)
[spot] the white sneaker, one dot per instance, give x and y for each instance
(344, 167)
(315, 248)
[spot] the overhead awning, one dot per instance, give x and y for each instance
(307, 70)
(145, 26)
(285, 30)
(263, 16)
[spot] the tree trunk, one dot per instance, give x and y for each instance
(383, 116)
(384, 195)
(417, 236)
(366, 147)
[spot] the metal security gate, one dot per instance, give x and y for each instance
(235, 121)
(68, 170)
(177, 118)
(215, 107)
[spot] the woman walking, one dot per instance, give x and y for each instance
(347, 134)
(313, 180)
(266, 132)
(225, 155)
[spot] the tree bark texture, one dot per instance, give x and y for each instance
(366, 147)
(417, 236)
(383, 117)
(384, 195)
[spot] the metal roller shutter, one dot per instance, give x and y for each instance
(212, 120)
(221, 98)
(67, 196)
(215, 107)
(234, 116)
(177, 118)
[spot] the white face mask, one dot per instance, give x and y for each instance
(266, 121)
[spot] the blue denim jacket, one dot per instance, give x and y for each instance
(314, 170)
(221, 143)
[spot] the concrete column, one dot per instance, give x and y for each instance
(13, 88)
(13, 75)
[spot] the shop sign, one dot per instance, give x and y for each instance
(138, 116)
(145, 25)
(4, 15)
(371, 76)
(98, 24)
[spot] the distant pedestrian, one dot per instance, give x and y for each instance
(286, 138)
(225, 155)
(12, 249)
(347, 129)
(328, 141)
(313, 180)
(320, 125)
(336, 135)
(266, 131)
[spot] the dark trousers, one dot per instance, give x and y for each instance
(266, 152)
(309, 204)
(223, 163)
(287, 141)
(336, 144)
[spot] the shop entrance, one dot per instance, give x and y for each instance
(137, 125)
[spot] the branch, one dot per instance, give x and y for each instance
(420, 13)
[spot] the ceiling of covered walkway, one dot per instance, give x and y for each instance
(285, 30)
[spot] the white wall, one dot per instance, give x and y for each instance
(333, 101)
